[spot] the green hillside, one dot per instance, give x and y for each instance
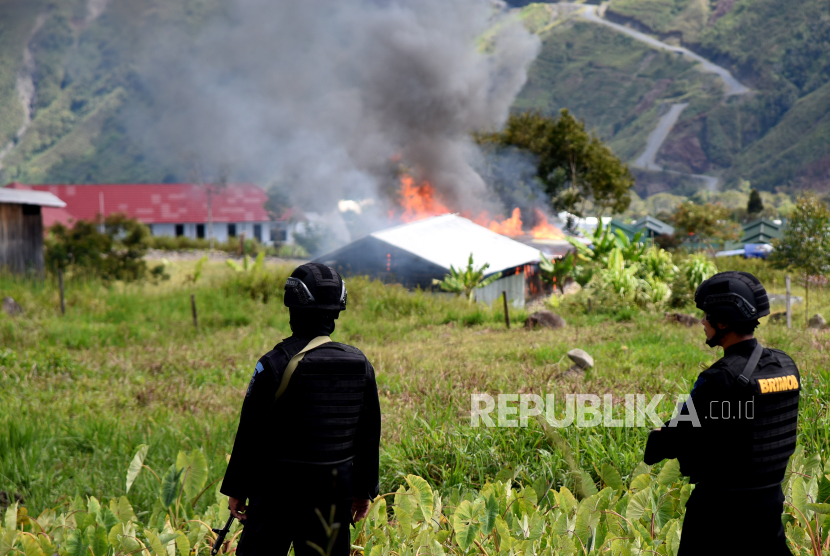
(778, 136)
(86, 86)
(85, 81)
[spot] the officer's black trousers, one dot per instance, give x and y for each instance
(274, 524)
(720, 522)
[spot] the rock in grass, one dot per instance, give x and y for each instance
(778, 318)
(545, 319)
(581, 358)
(11, 307)
(688, 320)
(817, 321)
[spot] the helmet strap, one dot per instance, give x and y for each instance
(715, 340)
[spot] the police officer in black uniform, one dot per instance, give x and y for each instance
(307, 446)
(746, 405)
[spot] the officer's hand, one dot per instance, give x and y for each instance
(238, 508)
(360, 509)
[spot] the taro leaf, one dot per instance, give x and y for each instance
(93, 505)
(96, 536)
(404, 520)
(824, 489)
(669, 474)
(540, 485)
(170, 486)
(84, 520)
(422, 495)
(197, 534)
(641, 482)
(466, 522)
(567, 501)
(819, 508)
(615, 525)
(663, 513)
(76, 544)
(642, 468)
(673, 539)
(107, 518)
(31, 547)
(114, 534)
(136, 464)
(183, 545)
(799, 499)
(122, 509)
(196, 468)
(637, 505)
(611, 477)
(7, 541)
(587, 484)
(502, 528)
(685, 493)
(10, 521)
(491, 510)
(155, 543)
(46, 545)
(405, 500)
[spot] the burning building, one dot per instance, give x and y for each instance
(415, 253)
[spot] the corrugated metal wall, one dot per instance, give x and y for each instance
(514, 286)
(21, 238)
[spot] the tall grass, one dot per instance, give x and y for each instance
(125, 366)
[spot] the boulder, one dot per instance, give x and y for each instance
(688, 320)
(11, 307)
(581, 359)
(545, 319)
(817, 321)
(778, 318)
(571, 288)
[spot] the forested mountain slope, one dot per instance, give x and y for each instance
(77, 65)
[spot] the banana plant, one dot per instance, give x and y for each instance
(466, 281)
(555, 272)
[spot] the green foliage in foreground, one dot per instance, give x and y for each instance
(639, 513)
(467, 280)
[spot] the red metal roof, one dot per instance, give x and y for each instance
(175, 203)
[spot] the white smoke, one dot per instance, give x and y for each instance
(324, 93)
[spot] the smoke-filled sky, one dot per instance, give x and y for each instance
(324, 94)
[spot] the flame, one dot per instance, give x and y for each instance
(419, 202)
(544, 229)
(511, 227)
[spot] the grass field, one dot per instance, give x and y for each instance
(125, 366)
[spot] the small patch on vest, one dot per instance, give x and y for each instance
(258, 369)
(778, 384)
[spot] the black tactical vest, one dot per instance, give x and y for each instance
(317, 415)
(775, 387)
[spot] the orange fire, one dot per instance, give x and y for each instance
(419, 202)
(544, 229)
(510, 227)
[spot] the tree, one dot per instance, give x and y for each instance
(556, 272)
(709, 223)
(755, 204)
(805, 246)
(466, 281)
(574, 166)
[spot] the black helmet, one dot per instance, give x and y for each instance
(315, 286)
(732, 297)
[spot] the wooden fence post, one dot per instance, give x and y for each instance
(60, 287)
(193, 307)
(789, 304)
(506, 309)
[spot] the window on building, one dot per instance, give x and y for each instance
(200, 231)
(179, 230)
(231, 230)
(278, 234)
(258, 232)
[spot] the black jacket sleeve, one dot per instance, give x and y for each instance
(699, 432)
(258, 399)
(366, 483)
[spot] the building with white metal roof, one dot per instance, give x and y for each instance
(21, 228)
(416, 253)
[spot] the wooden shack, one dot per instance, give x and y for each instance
(21, 228)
